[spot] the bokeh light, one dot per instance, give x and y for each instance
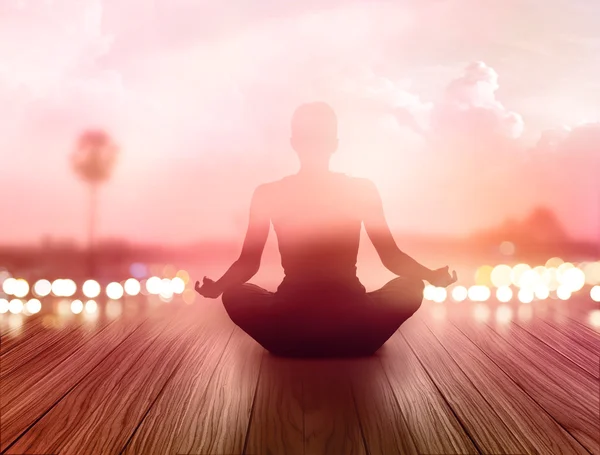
(541, 292)
(572, 279)
(595, 318)
(189, 296)
(138, 270)
(42, 288)
(91, 307)
(501, 275)
(529, 279)
(76, 306)
(483, 275)
(114, 290)
(169, 271)
(595, 293)
(525, 313)
(154, 285)
(503, 314)
(3, 306)
(550, 279)
(9, 285)
(525, 295)
(439, 295)
(33, 306)
(554, 263)
(504, 294)
(459, 293)
(69, 288)
(184, 275)
(166, 291)
(63, 308)
(21, 288)
(507, 248)
(91, 289)
(429, 292)
(517, 273)
(114, 308)
(479, 293)
(15, 306)
(560, 271)
(177, 285)
(132, 287)
(481, 312)
(563, 292)
(592, 273)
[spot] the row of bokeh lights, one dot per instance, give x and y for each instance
(556, 278)
(19, 288)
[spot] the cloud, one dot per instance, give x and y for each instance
(569, 143)
(468, 107)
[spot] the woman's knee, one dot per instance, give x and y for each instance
(412, 286)
(234, 300)
(244, 301)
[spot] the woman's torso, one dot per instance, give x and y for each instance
(317, 222)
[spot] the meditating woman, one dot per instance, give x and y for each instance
(321, 308)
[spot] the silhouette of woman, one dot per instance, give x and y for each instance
(320, 309)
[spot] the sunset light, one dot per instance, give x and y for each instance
(281, 227)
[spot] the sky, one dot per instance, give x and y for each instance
(463, 112)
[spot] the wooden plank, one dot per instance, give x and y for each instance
(563, 344)
(482, 422)
(31, 392)
(115, 420)
(580, 310)
(432, 423)
(331, 423)
(581, 334)
(528, 421)
(41, 366)
(384, 427)
(13, 334)
(569, 394)
(218, 421)
(37, 340)
(277, 421)
(164, 425)
(73, 413)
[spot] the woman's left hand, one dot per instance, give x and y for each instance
(209, 289)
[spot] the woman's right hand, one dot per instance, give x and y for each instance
(442, 277)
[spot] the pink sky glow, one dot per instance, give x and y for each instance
(463, 112)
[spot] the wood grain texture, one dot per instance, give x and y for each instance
(579, 311)
(431, 422)
(114, 421)
(567, 393)
(582, 335)
(277, 421)
(30, 392)
(13, 335)
(167, 422)
(33, 343)
(481, 421)
(331, 423)
(534, 428)
(218, 421)
(73, 413)
(170, 380)
(384, 427)
(563, 344)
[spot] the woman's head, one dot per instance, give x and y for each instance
(314, 132)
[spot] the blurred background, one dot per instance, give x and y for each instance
(134, 132)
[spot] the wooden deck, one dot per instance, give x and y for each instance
(179, 379)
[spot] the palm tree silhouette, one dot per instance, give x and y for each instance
(93, 161)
